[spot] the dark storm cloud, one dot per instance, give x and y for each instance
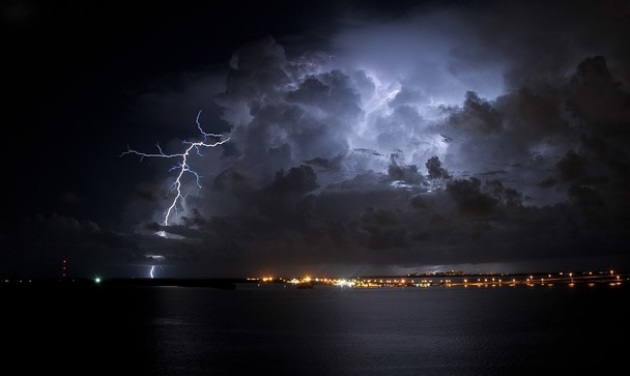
(489, 132)
(413, 150)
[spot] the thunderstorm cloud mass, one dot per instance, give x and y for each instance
(484, 136)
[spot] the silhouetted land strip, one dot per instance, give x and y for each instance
(220, 283)
(223, 283)
(417, 280)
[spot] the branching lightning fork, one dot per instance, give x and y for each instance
(182, 167)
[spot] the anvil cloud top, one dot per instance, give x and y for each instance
(339, 138)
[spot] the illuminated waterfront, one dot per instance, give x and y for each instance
(451, 279)
(458, 279)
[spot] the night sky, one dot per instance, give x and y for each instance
(352, 137)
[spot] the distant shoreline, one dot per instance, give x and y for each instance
(221, 283)
(416, 280)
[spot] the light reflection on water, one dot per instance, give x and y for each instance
(328, 330)
(320, 331)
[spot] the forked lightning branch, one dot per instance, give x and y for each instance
(182, 166)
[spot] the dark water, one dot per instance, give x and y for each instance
(323, 331)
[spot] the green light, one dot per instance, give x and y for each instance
(97, 280)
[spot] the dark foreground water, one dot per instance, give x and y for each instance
(323, 331)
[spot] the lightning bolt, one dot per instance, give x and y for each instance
(182, 166)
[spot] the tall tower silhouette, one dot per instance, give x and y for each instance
(64, 268)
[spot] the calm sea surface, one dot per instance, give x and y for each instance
(276, 330)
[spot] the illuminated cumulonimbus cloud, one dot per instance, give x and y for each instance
(287, 112)
(437, 139)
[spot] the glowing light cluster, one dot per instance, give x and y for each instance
(344, 283)
(182, 167)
